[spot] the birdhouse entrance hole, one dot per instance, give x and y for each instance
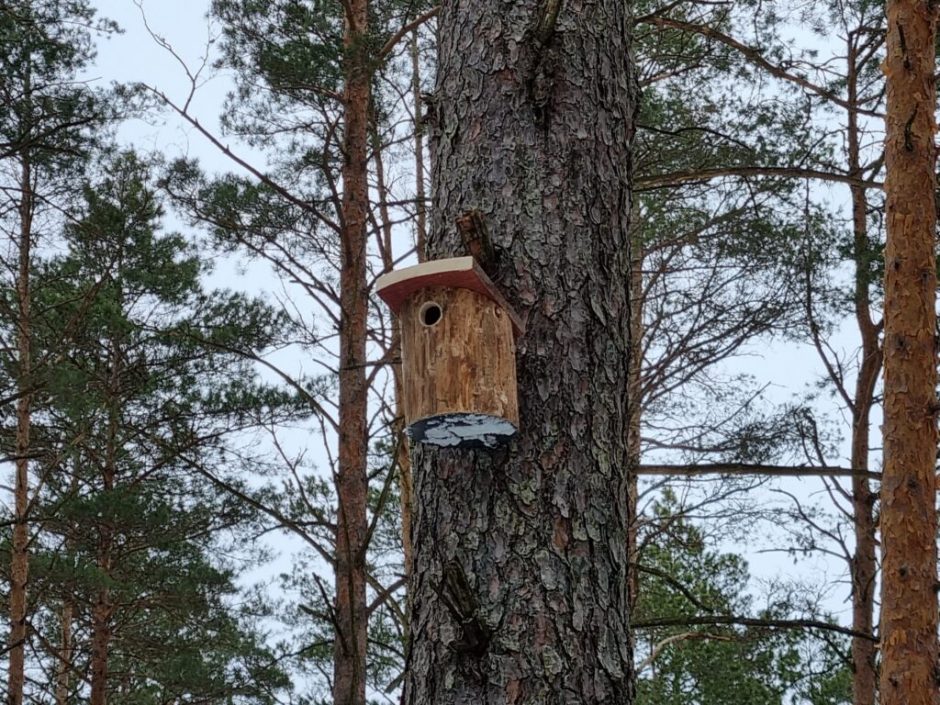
(430, 313)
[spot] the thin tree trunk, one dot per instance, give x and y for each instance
(864, 566)
(520, 575)
(404, 461)
(909, 673)
(421, 211)
(66, 651)
(388, 262)
(349, 658)
(103, 609)
(634, 393)
(404, 467)
(19, 569)
(101, 623)
(863, 569)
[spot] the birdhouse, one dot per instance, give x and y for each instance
(458, 353)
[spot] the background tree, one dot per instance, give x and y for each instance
(46, 130)
(832, 87)
(133, 416)
(312, 89)
(154, 407)
(756, 656)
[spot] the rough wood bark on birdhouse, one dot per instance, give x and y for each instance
(458, 353)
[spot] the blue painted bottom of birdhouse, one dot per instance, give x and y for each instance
(462, 430)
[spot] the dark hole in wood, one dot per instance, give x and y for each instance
(430, 313)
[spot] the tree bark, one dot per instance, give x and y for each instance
(520, 556)
(101, 630)
(909, 674)
(351, 615)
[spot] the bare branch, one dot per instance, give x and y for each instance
(675, 638)
(392, 42)
(691, 470)
(717, 620)
(677, 178)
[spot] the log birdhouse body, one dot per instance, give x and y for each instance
(458, 353)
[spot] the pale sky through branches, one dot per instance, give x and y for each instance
(134, 56)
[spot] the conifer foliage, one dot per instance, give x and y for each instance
(121, 403)
(137, 418)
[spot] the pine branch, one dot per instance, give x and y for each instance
(392, 42)
(303, 204)
(675, 638)
(383, 497)
(677, 178)
(673, 583)
(756, 57)
(717, 620)
(692, 470)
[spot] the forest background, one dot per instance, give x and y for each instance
(174, 401)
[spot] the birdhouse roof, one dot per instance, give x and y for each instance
(455, 273)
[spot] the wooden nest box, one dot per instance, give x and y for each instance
(458, 353)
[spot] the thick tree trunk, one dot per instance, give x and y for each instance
(19, 568)
(349, 658)
(520, 574)
(909, 673)
(864, 566)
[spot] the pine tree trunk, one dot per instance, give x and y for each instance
(406, 474)
(66, 652)
(403, 457)
(909, 673)
(635, 408)
(864, 566)
(103, 609)
(421, 216)
(520, 574)
(100, 643)
(19, 568)
(349, 658)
